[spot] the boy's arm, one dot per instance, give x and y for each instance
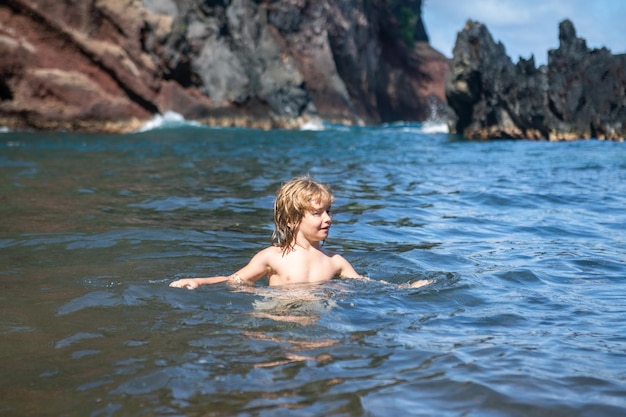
(193, 283)
(347, 271)
(249, 274)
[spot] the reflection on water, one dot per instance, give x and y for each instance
(302, 306)
(524, 243)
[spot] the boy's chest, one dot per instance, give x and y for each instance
(296, 268)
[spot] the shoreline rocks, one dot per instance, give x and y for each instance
(579, 94)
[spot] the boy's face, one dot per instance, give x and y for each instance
(315, 223)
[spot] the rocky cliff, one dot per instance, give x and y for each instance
(581, 93)
(109, 65)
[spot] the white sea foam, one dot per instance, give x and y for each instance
(313, 124)
(167, 120)
(435, 127)
(427, 127)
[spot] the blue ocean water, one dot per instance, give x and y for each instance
(525, 243)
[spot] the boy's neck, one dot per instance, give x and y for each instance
(307, 244)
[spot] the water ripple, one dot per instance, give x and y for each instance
(524, 243)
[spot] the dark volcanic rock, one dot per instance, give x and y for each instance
(587, 89)
(346, 61)
(110, 65)
(579, 94)
(81, 66)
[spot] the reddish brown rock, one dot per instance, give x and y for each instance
(110, 65)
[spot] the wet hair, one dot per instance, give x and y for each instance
(293, 200)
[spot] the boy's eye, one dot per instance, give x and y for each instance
(320, 212)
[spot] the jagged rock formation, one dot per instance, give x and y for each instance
(581, 93)
(109, 65)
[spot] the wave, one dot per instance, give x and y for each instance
(435, 127)
(168, 120)
(172, 120)
(427, 127)
(313, 125)
(4, 129)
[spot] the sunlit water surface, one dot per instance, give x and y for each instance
(525, 243)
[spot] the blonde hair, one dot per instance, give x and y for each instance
(293, 200)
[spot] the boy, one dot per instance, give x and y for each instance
(302, 219)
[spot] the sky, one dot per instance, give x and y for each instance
(528, 27)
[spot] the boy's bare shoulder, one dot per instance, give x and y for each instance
(270, 252)
(337, 258)
(332, 254)
(266, 258)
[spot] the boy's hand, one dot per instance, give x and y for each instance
(421, 283)
(188, 283)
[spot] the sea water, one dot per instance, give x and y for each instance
(525, 244)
